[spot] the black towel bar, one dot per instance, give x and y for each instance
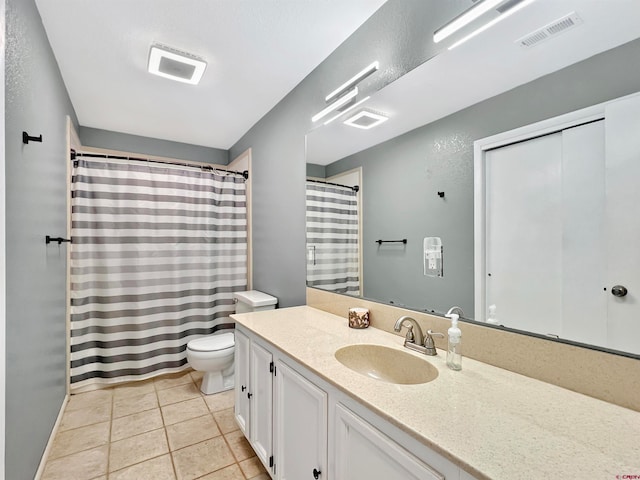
(380, 242)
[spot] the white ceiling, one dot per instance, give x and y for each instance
(256, 50)
(487, 65)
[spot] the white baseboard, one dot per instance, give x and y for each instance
(56, 425)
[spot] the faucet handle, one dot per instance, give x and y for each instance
(428, 341)
(437, 334)
(410, 336)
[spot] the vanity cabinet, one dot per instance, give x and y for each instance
(301, 427)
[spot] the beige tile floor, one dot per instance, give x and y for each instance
(161, 429)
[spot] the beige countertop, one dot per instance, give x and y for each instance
(491, 422)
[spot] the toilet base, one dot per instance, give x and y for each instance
(215, 382)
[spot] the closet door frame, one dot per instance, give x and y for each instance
(528, 132)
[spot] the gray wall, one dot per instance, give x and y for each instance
(399, 36)
(36, 101)
(319, 171)
(402, 176)
(95, 137)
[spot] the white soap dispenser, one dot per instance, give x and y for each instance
(492, 315)
(454, 352)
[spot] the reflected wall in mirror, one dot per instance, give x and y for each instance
(418, 167)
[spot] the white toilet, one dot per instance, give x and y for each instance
(213, 354)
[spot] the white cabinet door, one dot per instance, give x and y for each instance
(300, 424)
(242, 382)
(261, 404)
(364, 453)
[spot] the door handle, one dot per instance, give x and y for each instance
(316, 473)
(249, 395)
(243, 388)
(619, 291)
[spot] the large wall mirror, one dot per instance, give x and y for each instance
(409, 227)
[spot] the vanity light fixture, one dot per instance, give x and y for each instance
(336, 105)
(176, 65)
(490, 24)
(366, 119)
(342, 112)
(353, 81)
(345, 93)
(465, 18)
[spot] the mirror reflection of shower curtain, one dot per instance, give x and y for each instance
(157, 252)
(332, 238)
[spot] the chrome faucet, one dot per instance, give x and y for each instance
(457, 310)
(416, 340)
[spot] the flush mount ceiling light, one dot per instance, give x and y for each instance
(366, 119)
(486, 26)
(176, 65)
(345, 94)
(465, 18)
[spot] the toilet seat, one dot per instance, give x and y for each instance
(212, 343)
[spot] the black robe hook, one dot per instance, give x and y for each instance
(26, 138)
(48, 239)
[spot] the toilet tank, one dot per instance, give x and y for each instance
(254, 301)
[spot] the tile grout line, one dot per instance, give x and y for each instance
(141, 461)
(173, 463)
(232, 453)
(165, 433)
(164, 426)
(222, 434)
(135, 413)
(113, 399)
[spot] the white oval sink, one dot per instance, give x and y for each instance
(386, 364)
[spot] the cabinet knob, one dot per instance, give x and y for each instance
(249, 395)
(316, 473)
(244, 388)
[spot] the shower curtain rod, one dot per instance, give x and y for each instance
(244, 174)
(355, 188)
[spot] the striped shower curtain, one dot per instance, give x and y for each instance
(157, 252)
(332, 238)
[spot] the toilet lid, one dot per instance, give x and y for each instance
(212, 342)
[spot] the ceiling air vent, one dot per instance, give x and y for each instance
(554, 28)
